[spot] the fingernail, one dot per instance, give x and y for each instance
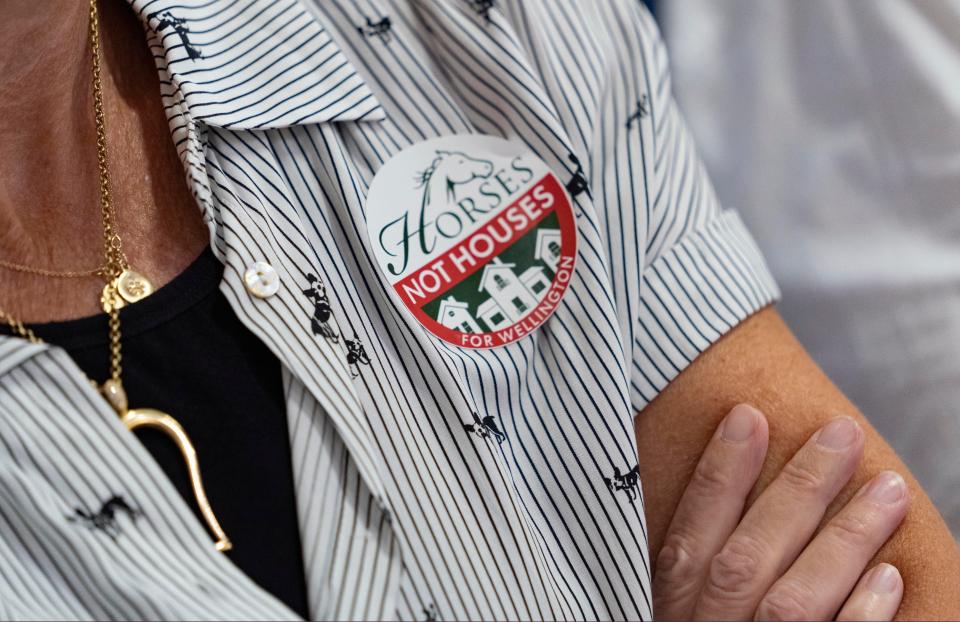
(838, 434)
(740, 423)
(888, 487)
(884, 579)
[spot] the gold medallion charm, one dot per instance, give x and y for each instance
(133, 286)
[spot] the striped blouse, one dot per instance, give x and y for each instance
(433, 481)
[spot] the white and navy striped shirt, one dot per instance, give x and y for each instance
(283, 112)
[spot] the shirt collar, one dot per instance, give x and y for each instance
(255, 64)
(14, 351)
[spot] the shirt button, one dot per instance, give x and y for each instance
(262, 280)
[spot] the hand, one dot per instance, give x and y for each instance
(720, 564)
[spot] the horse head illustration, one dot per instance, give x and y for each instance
(447, 171)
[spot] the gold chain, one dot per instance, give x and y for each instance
(116, 355)
(19, 328)
(114, 260)
(64, 274)
(123, 285)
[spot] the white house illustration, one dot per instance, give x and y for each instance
(453, 314)
(511, 296)
(535, 280)
(492, 315)
(548, 247)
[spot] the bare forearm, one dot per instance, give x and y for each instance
(761, 363)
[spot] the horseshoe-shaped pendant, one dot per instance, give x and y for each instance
(150, 418)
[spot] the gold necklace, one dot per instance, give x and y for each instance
(124, 286)
(60, 274)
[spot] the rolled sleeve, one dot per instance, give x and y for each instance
(691, 295)
(700, 271)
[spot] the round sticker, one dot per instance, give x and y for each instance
(476, 235)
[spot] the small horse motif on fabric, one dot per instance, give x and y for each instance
(482, 7)
(430, 613)
(485, 428)
(319, 322)
(379, 28)
(105, 519)
(628, 482)
(641, 112)
(356, 355)
(578, 183)
(179, 26)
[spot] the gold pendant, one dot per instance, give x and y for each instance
(133, 286)
(128, 288)
(149, 418)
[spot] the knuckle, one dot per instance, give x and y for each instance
(853, 530)
(675, 578)
(786, 601)
(710, 478)
(675, 565)
(734, 571)
(802, 479)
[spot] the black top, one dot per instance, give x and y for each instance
(186, 353)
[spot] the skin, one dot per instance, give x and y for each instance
(715, 566)
(760, 362)
(49, 206)
(49, 217)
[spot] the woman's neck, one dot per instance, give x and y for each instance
(45, 90)
(49, 205)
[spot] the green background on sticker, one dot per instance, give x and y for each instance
(520, 253)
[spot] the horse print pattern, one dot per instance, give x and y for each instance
(485, 428)
(379, 28)
(356, 355)
(316, 293)
(320, 321)
(482, 7)
(641, 112)
(180, 28)
(430, 613)
(105, 519)
(629, 482)
(578, 183)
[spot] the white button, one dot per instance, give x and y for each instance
(262, 280)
